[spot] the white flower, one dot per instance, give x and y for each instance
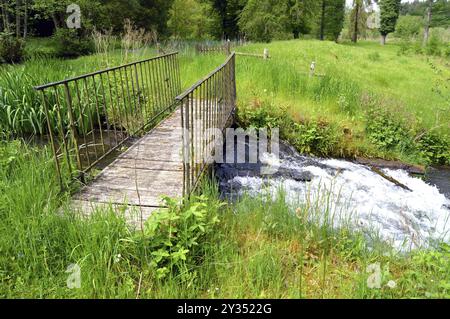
(392, 284)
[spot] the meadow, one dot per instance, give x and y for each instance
(365, 100)
(362, 95)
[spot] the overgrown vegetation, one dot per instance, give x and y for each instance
(71, 44)
(260, 248)
(11, 48)
(362, 99)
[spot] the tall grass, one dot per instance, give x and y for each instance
(348, 75)
(257, 247)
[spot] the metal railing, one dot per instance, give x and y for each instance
(90, 116)
(205, 108)
(207, 49)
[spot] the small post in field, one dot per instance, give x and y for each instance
(312, 69)
(266, 54)
(228, 45)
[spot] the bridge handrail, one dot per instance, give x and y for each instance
(92, 115)
(80, 77)
(200, 82)
(205, 107)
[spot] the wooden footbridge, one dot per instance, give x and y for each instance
(157, 140)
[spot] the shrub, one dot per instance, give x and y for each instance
(175, 237)
(11, 48)
(70, 44)
(447, 52)
(404, 48)
(308, 136)
(408, 27)
(314, 137)
(434, 46)
(434, 148)
(386, 131)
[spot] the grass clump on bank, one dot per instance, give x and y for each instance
(207, 249)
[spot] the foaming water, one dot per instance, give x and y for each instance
(350, 193)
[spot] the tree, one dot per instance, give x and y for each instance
(389, 13)
(18, 18)
(323, 7)
(408, 27)
(358, 19)
(5, 15)
(265, 20)
(429, 14)
(331, 19)
(301, 15)
(334, 19)
(441, 11)
(25, 19)
(229, 12)
(191, 19)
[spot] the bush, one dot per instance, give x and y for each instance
(70, 44)
(310, 136)
(434, 46)
(434, 148)
(11, 48)
(447, 52)
(386, 131)
(175, 238)
(408, 27)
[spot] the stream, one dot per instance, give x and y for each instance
(343, 193)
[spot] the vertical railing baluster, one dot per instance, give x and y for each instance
(52, 140)
(73, 128)
(83, 129)
(105, 111)
(61, 131)
(94, 140)
(137, 92)
(99, 121)
(113, 109)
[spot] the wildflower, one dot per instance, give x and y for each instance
(392, 284)
(117, 258)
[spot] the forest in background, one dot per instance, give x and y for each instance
(256, 20)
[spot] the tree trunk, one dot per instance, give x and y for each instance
(356, 30)
(426, 33)
(18, 15)
(25, 20)
(322, 22)
(383, 39)
(5, 16)
(55, 22)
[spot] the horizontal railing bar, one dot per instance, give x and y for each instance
(46, 86)
(199, 83)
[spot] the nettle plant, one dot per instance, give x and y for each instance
(175, 237)
(386, 130)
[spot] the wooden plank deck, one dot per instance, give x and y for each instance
(136, 181)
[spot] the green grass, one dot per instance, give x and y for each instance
(255, 248)
(259, 248)
(355, 79)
